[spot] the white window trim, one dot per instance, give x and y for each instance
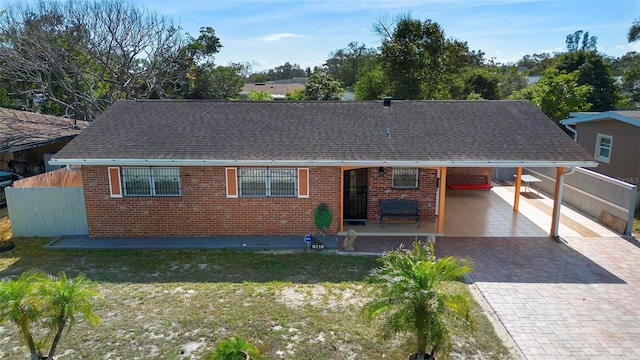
(599, 138)
(115, 196)
(151, 182)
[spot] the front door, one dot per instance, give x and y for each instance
(355, 195)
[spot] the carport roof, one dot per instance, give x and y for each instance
(406, 133)
(21, 130)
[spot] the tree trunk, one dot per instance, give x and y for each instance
(29, 339)
(56, 339)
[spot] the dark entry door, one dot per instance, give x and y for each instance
(355, 194)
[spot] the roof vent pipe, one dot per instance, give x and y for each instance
(388, 132)
(387, 101)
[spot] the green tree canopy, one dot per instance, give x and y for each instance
(345, 65)
(631, 75)
(419, 61)
(634, 31)
(511, 80)
(258, 95)
(594, 72)
(557, 94)
(481, 81)
(536, 63)
(216, 82)
(372, 84)
(580, 40)
(322, 87)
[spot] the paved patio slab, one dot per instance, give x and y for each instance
(556, 301)
(574, 301)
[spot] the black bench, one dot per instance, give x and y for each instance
(399, 208)
(468, 182)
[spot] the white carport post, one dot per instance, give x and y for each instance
(557, 201)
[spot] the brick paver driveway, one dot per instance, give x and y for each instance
(574, 301)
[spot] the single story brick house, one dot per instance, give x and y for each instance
(213, 168)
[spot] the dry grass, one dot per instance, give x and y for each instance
(5, 225)
(179, 304)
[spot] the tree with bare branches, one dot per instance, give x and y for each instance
(75, 58)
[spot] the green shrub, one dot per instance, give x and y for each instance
(235, 348)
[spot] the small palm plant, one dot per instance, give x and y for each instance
(235, 348)
(407, 295)
(65, 298)
(35, 301)
(20, 305)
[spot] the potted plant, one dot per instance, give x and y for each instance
(406, 293)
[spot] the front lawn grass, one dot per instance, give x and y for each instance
(178, 304)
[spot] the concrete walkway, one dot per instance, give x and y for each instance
(219, 242)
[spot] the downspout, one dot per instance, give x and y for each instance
(556, 217)
(72, 168)
(574, 131)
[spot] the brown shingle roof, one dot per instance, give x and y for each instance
(22, 129)
(431, 132)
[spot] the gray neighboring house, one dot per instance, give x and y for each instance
(613, 137)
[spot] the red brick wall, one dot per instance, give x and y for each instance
(204, 210)
(471, 171)
(380, 189)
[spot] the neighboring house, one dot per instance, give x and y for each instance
(613, 139)
(212, 168)
(277, 90)
(28, 140)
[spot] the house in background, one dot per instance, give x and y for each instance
(210, 168)
(28, 140)
(613, 139)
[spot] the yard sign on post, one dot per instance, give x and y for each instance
(307, 239)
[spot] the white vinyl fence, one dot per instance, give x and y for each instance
(47, 211)
(591, 192)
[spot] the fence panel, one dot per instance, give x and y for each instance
(503, 174)
(47, 211)
(591, 192)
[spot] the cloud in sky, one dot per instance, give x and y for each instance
(280, 36)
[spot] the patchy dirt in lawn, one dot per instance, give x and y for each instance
(318, 295)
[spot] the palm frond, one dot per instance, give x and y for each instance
(406, 294)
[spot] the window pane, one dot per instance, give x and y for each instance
(253, 182)
(405, 177)
(166, 181)
(283, 182)
(603, 152)
(136, 181)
